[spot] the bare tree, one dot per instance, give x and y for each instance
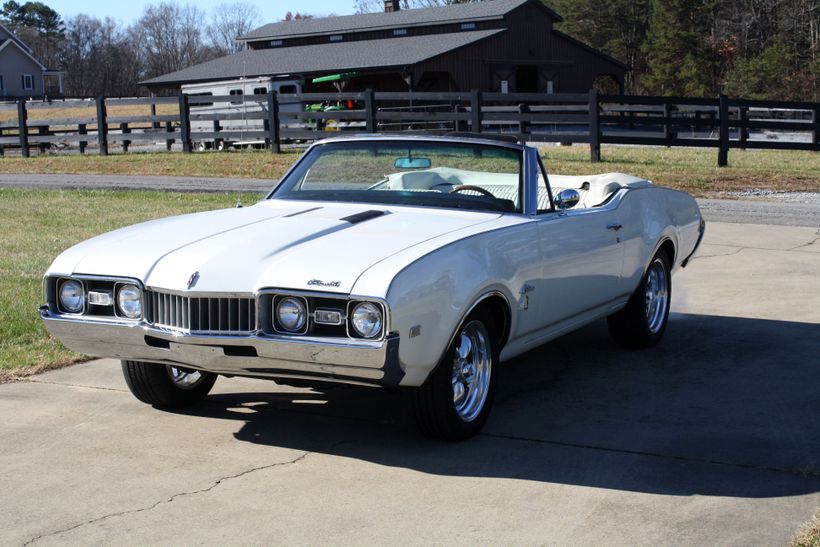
(229, 22)
(171, 38)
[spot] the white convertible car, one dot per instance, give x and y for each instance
(419, 262)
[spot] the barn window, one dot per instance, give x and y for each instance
(201, 104)
(467, 26)
(236, 92)
(336, 38)
(28, 82)
(275, 43)
(2, 85)
(287, 89)
(400, 32)
(260, 90)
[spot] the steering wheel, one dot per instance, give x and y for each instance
(478, 189)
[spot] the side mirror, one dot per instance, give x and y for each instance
(567, 199)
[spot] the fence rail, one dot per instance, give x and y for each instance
(268, 120)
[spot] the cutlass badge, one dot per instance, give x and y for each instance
(320, 283)
(193, 279)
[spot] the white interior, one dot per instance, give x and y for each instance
(594, 189)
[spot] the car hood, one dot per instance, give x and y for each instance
(275, 243)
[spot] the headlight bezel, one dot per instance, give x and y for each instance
(353, 331)
(52, 284)
(119, 287)
(58, 296)
(277, 323)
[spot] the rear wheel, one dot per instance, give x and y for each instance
(642, 322)
(165, 385)
(456, 399)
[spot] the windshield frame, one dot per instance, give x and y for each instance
(481, 205)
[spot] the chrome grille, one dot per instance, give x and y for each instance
(202, 315)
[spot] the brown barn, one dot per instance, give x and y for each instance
(496, 45)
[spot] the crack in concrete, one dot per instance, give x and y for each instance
(809, 244)
(800, 472)
(32, 381)
(177, 495)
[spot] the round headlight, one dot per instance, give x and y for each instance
(367, 319)
(291, 314)
(129, 301)
(72, 298)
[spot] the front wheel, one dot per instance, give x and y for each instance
(166, 385)
(642, 322)
(454, 402)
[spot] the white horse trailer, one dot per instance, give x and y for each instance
(239, 114)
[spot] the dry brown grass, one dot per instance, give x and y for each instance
(809, 535)
(87, 111)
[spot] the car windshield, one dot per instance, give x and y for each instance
(409, 172)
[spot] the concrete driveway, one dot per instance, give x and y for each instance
(713, 437)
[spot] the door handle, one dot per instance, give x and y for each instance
(615, 227)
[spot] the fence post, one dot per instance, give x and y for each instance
(475, 110)
(815, 134)
(594, 128)
(125, 131)
(22, 127)
(169, 128)
(723, 140)
(458, 125)
(273, 123)
(2, 152)
(217, 129)
(102, 126)
(370, 110)
(153, 111)
(523, 125)
(743, 115)
(184, 123)
(43, 132)
(667, 129)
(82, 129)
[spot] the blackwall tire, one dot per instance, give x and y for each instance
(455, 401)
(166, 386)
(643, 321)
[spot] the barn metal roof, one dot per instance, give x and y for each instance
(331, 57)
(474, 11)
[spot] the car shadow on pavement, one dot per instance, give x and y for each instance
(724, 406)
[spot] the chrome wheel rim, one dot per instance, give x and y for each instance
(472, 367)
(657, 295)
(184, 378)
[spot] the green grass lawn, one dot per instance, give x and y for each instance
(690, 169)
(36, 225)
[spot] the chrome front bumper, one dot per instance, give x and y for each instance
(287, 357)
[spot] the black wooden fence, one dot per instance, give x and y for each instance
(721, 123)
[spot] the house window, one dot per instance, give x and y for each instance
(236, 92)
(336, 38)
(467, 26)
(400, 32)
(275, 43)
(28, 82)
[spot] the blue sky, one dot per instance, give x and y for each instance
(129, 11)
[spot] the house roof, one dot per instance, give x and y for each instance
(331, 57)
(474, 11)
(11, 42)
(14, 37)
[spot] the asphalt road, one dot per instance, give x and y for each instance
(714, 210)
(711, 438)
